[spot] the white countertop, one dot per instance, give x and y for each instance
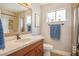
(15, 45)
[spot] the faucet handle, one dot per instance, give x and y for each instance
(18, 36)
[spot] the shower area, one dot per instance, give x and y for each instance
(77, 52)
(75, 36)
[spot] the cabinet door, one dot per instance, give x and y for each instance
(39, 50)
(30, 53)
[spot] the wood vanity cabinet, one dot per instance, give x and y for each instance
(35, 49)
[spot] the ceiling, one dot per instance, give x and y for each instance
(42, 4)
(14, 7)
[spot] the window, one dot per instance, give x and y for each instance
(28, 20)
(51, 17)
(28, 23)
(20, 24)
(59, 15)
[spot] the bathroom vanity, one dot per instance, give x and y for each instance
(35, 49)
(28, 45)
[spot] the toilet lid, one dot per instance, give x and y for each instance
(48, 46)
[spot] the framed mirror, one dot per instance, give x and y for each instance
(16, 18)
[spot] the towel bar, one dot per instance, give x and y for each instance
(51, 24)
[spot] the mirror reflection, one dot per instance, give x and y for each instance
(15, 18)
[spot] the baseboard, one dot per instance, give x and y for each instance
(60, 53)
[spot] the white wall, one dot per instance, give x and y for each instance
(65, 42)
(35, 10)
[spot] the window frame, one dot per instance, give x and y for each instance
(55, 15)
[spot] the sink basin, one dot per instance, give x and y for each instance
(24, 40)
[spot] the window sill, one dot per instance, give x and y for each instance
(57, 22)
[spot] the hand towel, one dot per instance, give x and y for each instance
(55, 31)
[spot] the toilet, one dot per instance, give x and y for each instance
(47, 49)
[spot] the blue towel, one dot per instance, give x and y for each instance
(1, 37)
(55, 31)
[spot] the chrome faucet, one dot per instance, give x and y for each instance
(18, 37)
